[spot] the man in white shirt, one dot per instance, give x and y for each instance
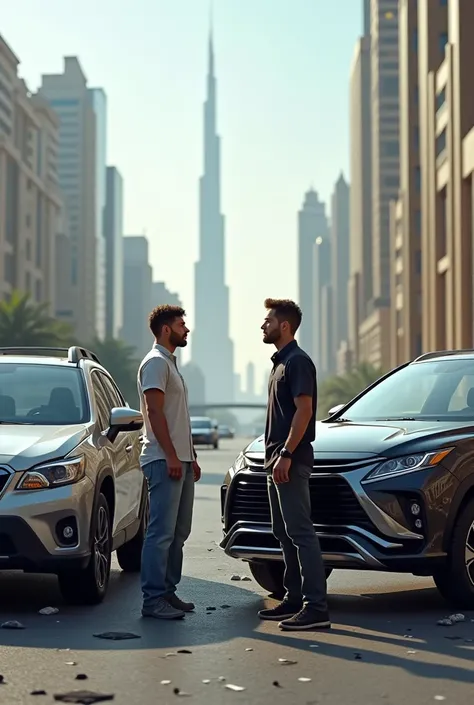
(169, 463)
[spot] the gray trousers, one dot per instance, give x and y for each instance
(290, 504)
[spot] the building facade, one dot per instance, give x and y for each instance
(360, 276)
(30, 202)
(113, 232)
(447, 124)
(98, 101)
(68, 95)
(374, 330)
(137, 287)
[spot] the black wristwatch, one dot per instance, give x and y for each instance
(285, 453)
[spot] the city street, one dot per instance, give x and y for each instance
(385, 645)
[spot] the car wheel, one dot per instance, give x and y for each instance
(129, 555)
(89, 586)
(456, 580)
(269, 575)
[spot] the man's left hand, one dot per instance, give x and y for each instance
(281, 470)
(196, 471)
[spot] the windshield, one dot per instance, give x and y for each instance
(201, 423)
(431, 390)
(42, 395)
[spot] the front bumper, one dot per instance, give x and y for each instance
(363, 526)
(32, 523)
(203, 439)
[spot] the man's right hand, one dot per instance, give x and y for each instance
(175, 467)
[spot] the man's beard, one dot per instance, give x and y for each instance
(271, 338)
(177, 340)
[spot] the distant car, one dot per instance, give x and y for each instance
(204, 431)
(392, 487)
(71, 488)
(226, 432)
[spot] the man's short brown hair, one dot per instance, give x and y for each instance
(285, 310)
(164, 316)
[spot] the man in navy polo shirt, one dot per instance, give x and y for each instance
(290, 429)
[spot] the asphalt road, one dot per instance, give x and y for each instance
(385, 646)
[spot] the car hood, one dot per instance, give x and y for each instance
(22, 447)
(376, 437)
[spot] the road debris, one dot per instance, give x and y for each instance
(439, 697)
(184, 651)
(236, 688)
(357, 656)
(81, 677)
(71, 663)
(84, 697)
(181, 693)
(12, 624)
(246, 579)
(225, 607)
(452, 619)
(117, 636)
(314, 646)
(276, 684)
(165, 682)
(2, 680)
(236, 578)
(412, 652)
(249, 649)
(49, 610)
(210, 609)
(38, 692)
(304, 680)
(221, 679)
(206, 681)
(287, 662)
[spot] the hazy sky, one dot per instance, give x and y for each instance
(283, 88)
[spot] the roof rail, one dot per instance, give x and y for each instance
(73, 354)
(76, 353)
(443, 353)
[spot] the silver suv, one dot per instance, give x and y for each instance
(71, 488)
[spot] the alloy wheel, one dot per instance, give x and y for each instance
(469, 554)
(101, 547)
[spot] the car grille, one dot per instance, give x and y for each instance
(320, 465)
(332, 501)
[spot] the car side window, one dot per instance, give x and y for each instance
(113, 395)
(102, 402)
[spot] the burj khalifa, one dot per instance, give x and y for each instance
(212, 349)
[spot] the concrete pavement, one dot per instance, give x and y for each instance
(385, 646)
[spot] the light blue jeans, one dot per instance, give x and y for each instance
(171, 512)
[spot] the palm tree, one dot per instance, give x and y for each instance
(120, 360)
(340, 389)
(26, 323)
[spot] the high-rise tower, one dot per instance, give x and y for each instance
(212, 348)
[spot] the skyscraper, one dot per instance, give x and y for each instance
(69, 96)
(312, 224)
(212, 348)
(113, 232)
(98, 100)
(340, 247)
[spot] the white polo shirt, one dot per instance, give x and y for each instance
(159, 370)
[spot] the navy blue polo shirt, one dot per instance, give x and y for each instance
(293, 375)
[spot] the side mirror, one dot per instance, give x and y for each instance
(335, 409)
(123, 419)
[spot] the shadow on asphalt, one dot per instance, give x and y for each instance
(402, 620)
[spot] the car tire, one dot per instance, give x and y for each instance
(455, 581)
(89, 586)
(269, 575)
(129, 555)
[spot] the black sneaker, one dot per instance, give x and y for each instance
(282, 611)
(307, 618)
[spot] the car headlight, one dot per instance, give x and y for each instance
(240, 463)
(408, 463)
(55, 474)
